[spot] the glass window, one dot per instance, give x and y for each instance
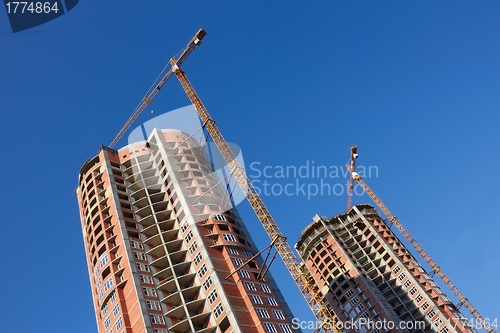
(218, 310)
(271, 301)
(262, 313)
(278, 314)
(265, 288)
(270, 327)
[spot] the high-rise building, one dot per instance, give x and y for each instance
(161, 236)
(366, 274)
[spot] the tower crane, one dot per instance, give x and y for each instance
(305, 282)
(354, 156)
(178, 59)
(435, 268)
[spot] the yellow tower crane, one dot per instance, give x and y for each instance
(304, 281)
(354, 156)
(435, 268)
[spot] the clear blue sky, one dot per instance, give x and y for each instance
(414, 84)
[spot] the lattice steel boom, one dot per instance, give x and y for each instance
(155, 88)
(435, 268)
(304, 281)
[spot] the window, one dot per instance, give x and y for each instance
(197, 259)
(146, 279)
(271, 301)
(396, 269)
(96, 271)
(362, 329)
(244, 274)
(107, 322)
(142, 267)
(219, 217)
(98, 283)
(213, 296)
(413, 290)
(352, 314)
(256, 299)
(278, 314)
(139, 255)
(432, 283)
(425, 306)
(285, 328)
(437, 322)
(116, 309)
(401, 276)
(207, 283)
(202, 271)
(108, 284)
(184, 226)
(444, 330)
(104, 260)
(364, 315)
(348, 307)
(265, 288)
(232, 250)
(444, 298)
(113, 297)
(228, 238)
(237, 261)
(262, 313)
(157, 319)
(359, 308)
(188, 237)
(349, 293)
(431, 314)
(376, 330)
(149, 291)
(136, 245)
(218, 310)
(270, 327)
(247, 254)
(407, 284)
(153, 305)
(104, 310)
(354, 300)
(419, 298)
(193, 247)
(101, 294)
(249, 286)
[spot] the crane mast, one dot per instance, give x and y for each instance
(435, 268)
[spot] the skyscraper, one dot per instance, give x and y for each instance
(365, 273)
(161, 237)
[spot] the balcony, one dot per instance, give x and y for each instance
(159, 250)
(176, 312)
(172, 299)
(181, 326)
(164, 273)
(161, 262)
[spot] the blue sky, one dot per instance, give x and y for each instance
(413, 84)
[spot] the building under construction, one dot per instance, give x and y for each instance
(365, 273)
(163, 246)
(159, 254)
